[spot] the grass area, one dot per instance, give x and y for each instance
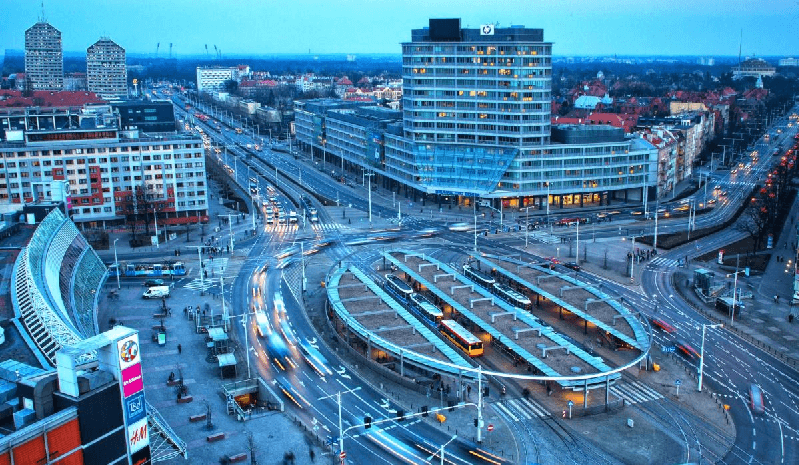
(755, 261)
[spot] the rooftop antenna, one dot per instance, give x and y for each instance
(43, 18)
(740, 44)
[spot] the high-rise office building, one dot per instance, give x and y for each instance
(44, 60)
(106, 69)
(476, 123)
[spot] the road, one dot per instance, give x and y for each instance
(730, 367)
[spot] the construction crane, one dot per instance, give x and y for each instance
(216, 52)
(157, 46)
(206, 51)
(170, 50)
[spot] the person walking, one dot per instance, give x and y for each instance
(180, 349)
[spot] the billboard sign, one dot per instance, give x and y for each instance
(135, 408)
(132, 381)
(128, 351)
(138, 435)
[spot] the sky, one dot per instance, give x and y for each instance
(576, 27)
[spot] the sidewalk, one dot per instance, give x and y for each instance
(764, 322)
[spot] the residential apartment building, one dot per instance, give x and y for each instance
(111, 176)
(44, 60)
(106, 70)
(789, 62)
(213, 79)
(476, 123)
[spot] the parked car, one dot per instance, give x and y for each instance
(153, 282)
(156, 292)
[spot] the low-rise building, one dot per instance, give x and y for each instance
(753, 67)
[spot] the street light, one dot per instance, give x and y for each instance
(441, 454)
(702, 352)
(527, 227)
(116, 262)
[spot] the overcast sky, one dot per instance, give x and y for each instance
(577, 27)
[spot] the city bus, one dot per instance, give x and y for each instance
(512, 297)
(458, 335)
(398, 286)
(478, 276)
(426, 309)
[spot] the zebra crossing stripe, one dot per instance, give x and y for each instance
(502, 409)
(651, 392)
(535, 407)
(619, 393)
(519, 409)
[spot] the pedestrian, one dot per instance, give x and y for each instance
(180, 349)
(776, 298)
(312, 455)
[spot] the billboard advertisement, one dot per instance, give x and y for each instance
(135, 408)
(128, 351)
(132, 381)
(138, 435)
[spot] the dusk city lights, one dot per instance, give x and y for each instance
(366, 233)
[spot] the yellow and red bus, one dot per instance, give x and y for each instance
(458, 335)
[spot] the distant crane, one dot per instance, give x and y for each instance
(170, 50)
(216, 52)
(157, 46)
(206, 51)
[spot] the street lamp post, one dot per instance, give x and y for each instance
(441, 453)
(369, 175)
(474, 211)
(116, 262)
(702, 353)
(527, 226)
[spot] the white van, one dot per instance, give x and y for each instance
(156, 292)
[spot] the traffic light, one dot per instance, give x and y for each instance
(367, 422)
(424, 410)
(400, 415)
(475, 422)
(485, 391)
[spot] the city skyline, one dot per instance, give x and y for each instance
(576, 28)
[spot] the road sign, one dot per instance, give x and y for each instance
(490, 427)
(342, 455)
(571, 403)
(677, 382)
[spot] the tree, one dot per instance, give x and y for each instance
(231, 86)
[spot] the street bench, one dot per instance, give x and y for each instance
(215, 437)
(196, 418)
(185, 399)
(237, 458)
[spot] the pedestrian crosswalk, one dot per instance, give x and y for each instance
(544, 237)
(520, 409)
(663, 262)
(634, 392)
(213, 269)
(317, 227)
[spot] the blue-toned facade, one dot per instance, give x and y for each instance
(476, 123)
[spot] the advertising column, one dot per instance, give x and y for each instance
(132, 385)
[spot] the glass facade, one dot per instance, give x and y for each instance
(476, 120)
